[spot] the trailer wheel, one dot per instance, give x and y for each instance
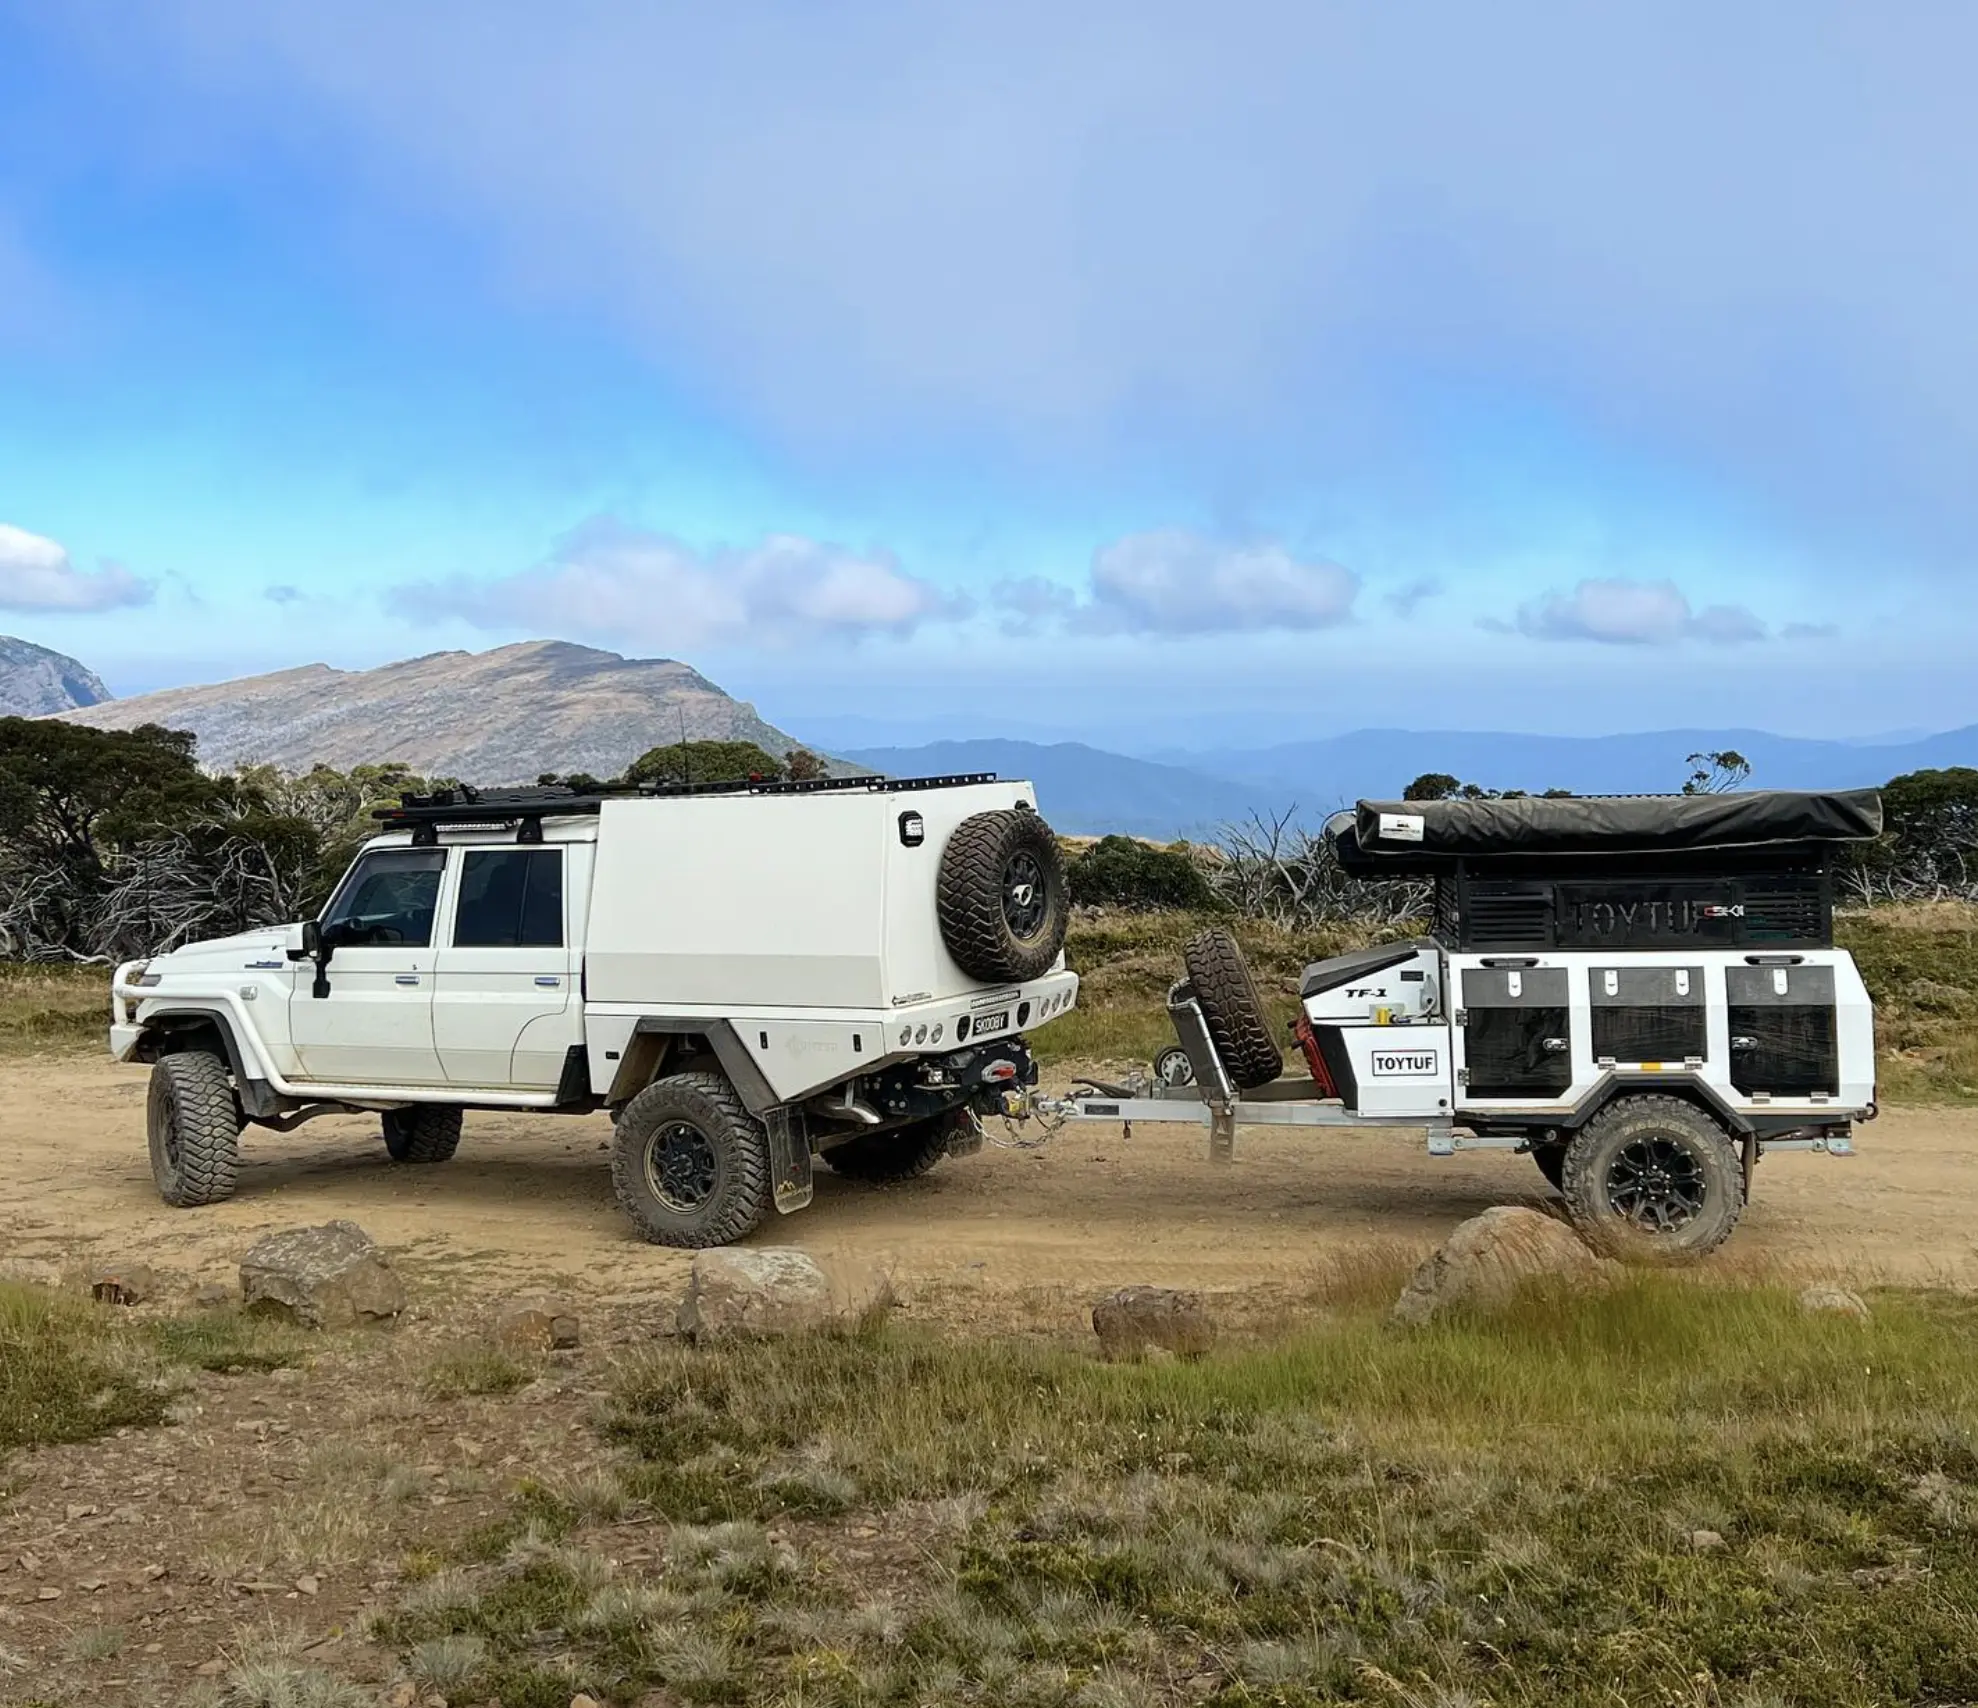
(193, 1125)
(690, 1164)
(1001, 897)
(1232, 1009)
(1653, 1179)
(422, 1132)
(905, 1153)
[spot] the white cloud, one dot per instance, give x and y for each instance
(36, 575)
(1619, 612)
(609, 580)
(1174, 581)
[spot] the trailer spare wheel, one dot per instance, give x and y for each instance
(1232, 1009)
(1001, 897)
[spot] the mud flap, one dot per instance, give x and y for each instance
(789, 1160)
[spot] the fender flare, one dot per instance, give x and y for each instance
(789, 1141)
(258, 1097)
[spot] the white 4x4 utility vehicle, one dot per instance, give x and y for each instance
(744, 975)
(1642, 992)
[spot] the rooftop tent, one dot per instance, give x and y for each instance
(1427, 835)
(1617, 871)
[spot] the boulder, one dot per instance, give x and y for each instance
(1138, 1320)
(1490, 1257)
(327, 1277)
(537, 1325)
(772, 1290)
(1834, 1301)
(124, 1284)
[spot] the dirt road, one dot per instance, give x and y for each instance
(1004, 1237)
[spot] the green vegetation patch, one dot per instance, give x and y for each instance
(53, 1005)
(67, 1372)
(1920, 963)
(228, 1342)
(1673, 1493)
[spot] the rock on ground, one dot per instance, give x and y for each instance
(771, 1290)
(125, 1283)
(1834, 1301)
(326, 1277)
(1136, 1320)
(537, 1325)
(1490, 1257)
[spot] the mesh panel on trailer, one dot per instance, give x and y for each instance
(1505, 1051)
(1784, 1035)
(1789, 1051)
(1648, 1034)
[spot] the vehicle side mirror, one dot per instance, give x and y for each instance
(318, 945)
(304, 940)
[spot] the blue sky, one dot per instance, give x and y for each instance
(1152, 373)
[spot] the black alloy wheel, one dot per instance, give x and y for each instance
(681, 1166)
(1657, 1183)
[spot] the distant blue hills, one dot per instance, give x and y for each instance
(1089, 791)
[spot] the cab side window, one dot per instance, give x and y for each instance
(388, 899)
(510, 898)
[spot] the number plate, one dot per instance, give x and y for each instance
(985, 1023)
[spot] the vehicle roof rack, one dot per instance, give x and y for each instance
(465, 806)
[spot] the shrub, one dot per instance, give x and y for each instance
(1117, 871)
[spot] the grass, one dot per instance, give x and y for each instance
(52, 1005)
(474, 1368)
(229, 1342)
(67, 1372)
(1921, 965)
(1502, 1509)
(71, 1370)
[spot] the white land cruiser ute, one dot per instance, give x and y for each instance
(743, 975)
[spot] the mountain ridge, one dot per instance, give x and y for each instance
(580, 709)
(37, 680)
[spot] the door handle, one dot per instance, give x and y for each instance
(552, 982)
(406, 978)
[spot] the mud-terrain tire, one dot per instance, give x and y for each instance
(1653, 1179)
(1551, 1160)
(1001, 897)
(193, 1124)
(1232, 1009)
(422, 1133)
(905, 1153)
(689, 1163)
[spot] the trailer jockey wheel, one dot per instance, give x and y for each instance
(1172, 1067)
(1653, 1179)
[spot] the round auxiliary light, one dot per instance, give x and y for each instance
(961, 1028)
(906, 1036)
(920, 1036)
(937, 1032)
